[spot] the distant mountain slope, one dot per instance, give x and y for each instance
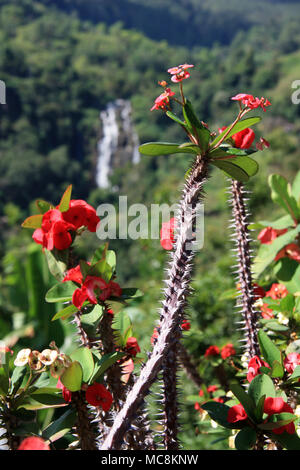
(185, 22)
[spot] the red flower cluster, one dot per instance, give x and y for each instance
(291, 251)
(250, 102)
(163, 100)
(180, 73)
(185, 325)
(254, 365)
(277, 405)
(291, 361)
(132, 346)
(271, 406)
(167, 234)
(236, 413)
(266, 312)
(57, 225)
(268, 235)
(98, 395)
(277, 291)
(93, 288)
(227, 351)
(33, 443)
(80, 213)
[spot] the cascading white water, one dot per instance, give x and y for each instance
(116, 121)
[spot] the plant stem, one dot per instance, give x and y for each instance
(175, 299)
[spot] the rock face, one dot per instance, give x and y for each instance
(119, 142)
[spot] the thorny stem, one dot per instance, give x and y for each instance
(188, 365)
(247, 298)
(176, 292)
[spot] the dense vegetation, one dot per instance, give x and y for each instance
(61, 69)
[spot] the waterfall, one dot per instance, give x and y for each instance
(119, 142)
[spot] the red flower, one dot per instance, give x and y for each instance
(266, 312)
(262, 144)
(163, 100)
(212, 388)
(291, 251)
(277, 405)
(33, 443)
(244, 139)
(180, 73)
(258, 292)
(291, 361)
(80, 213)
(74, 274)
(93, 288)
(254, 365)
(268, 234)
(236, 413)
(252, 103)
(227, 351)
(132, 346)
(212, 351)
(67, 394)
(98, 395)
(277, 291)
(185, 325)
(167, 234)
(54, 232)
(154, 336)
(218, 400)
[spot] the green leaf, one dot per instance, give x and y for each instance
(261, 385)
(238, 168)
(86, 360)
(57, 263)
(275, 326)
(162, 148)
(65, 200)
(34, 221)
(18, 377)
(123, 328)
(281, 193)
(72, 377)
(196, 127)
(259, 411)
(240, 126)
(60, 426)
(245, 439)
(62, 292)
(4, 384)
(288, 441)
(287, 272)
(219, 412)
(269, 351)
(66, 312)
(245, 399)
(296, 188)
(283, 222)
(43, 206)
(99, 254)
(277, 370)
(295, 375)
(277, 420)
(267, 253)
(175, 118)
(102, 364)
(224, 151)
(42, 401)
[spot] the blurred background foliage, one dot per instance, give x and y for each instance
(62, 62)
